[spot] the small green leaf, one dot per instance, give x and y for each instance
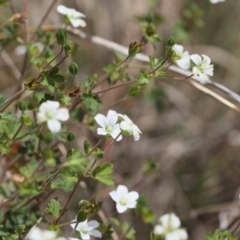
(103, 174)
(29, 169)
(53, 208)
(57, 78)
(87, 147)
(143, 78)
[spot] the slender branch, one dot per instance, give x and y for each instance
(12, 99)
(17, 132)
(144, 58)
(116, 86)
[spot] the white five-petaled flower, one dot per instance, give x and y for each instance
(87, 229)
(74, 16)
(182, 57)
(109, 125)
(128, 126)
(39, 234)
(169, 227)
(50, 112)
(123, 198)
(216, 1)
(202, 68)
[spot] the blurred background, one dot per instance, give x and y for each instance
(191, 140)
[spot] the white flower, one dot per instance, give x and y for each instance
(86, 229)
(123, 198)
(22, 49)
(128, 126)
(109, 125)
(50, 112)
(182, 57)
(216, 1)
(169, 227)
(38, 234)
(73, 16)
(203, 68)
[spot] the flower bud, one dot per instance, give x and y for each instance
(171, 41)
(31, 84)
(134, 48)
(68, 46)
(70, 137)
(61, 36)
(22, 106)
(73, 68)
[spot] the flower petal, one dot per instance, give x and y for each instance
(132, 196)
(85, 236)
(76, 22)
(54, 125)
(101, 131)
(132, 204)
(101, 120)
(184, 63)
(62, 9)
(62, 114)
(96, 233)
(112, 118)
(170, 220)
(121, 208)
(196, 59)
(122, 190)
(206, 60)
(136, 136)
(158, 230)
(114, 195)
(93, 224)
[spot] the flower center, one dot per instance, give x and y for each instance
(123, 201)
(84, 230)
(49, 115)
(109, 129)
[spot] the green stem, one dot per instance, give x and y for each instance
(17, 132)
(54, 57)
(69, 85)
(162, 63)
(76, 185)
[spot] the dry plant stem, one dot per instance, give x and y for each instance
(12, 99)
(144, 58)
(9, 62)
(25, 7)
(12, 7)
(213, 95)
(117, 86)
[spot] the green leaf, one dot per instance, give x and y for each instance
(91, 103)
(103, 174)
(36, 61)
(144, 212)
(64, 181)
(143, 78)
(29, 169)
(57, 78)
(77, 162)
(53, 208)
